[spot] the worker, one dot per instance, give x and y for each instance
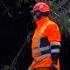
(46, 41)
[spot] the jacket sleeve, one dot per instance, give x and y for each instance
(54, 36)
(52, 32)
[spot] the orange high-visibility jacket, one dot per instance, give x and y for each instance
(45, 29)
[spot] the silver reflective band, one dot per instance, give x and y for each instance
(42, 57)
(55, 43)
(41, 49)
(38, 44)
(55, 50)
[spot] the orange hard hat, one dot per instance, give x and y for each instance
(41, 6)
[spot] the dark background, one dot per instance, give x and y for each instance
(15, 25)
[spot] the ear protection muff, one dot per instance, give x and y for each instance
(37, 14)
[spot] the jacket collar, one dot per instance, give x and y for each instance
(41, 21)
